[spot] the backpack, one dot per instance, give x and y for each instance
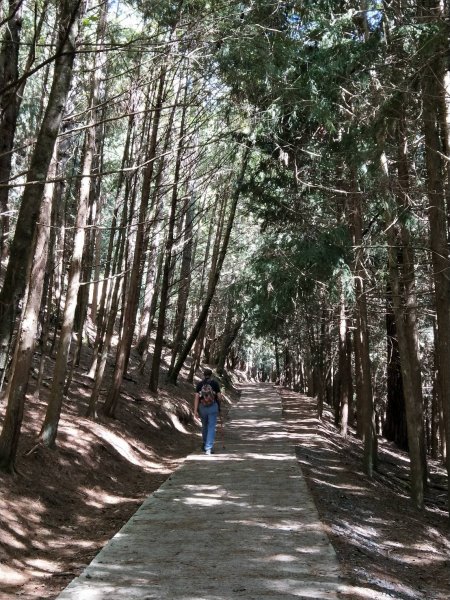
(207, 395)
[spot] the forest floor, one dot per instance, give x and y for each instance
(66, 503)
(386, 548)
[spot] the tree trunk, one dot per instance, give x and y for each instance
(362, 335)
(22, 243)
(185, 280)
(412, 392)
(173, 375)
(94, 188)
(345, 373)
(402, 282)
(49, 428)
(229, 335)
(126, 339)
(151, 289)
(26, 339)
(113, 264)
(50, 425)
(394, 428)
(9, 101)
(432, 81)
(164, 295)
(153, 307)
(105, 345)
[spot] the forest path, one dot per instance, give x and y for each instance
(238, 524)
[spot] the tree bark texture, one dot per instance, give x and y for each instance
(9, 102)
(26, 339)
(22, 243)
(362, 335)
(394, 428)
(432, 81)
(185, 279)
(49, 427)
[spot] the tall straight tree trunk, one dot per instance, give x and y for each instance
(185, 280)
(414, 417)
(406, 262)
(126, 339)
(207, 283)
(402, 282)
(432, 81)
(9, 101)
(202, 343)
(186, 268)
(110, 299)
(165, 282)
(149, 289)
(412, 392)
(155, 233)
(198, 346)
(94, 187)
(26, 339)
(114, 243)
(153, 307)
(105, 345)
(362, 334)
(49, 427)
(228, 340)
(51, 280)
(345, 372)
(230, 333)
(173, 374)
(394, 427)
(22, 243)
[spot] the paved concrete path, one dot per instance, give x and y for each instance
(238, 524)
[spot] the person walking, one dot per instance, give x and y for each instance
(207, 405)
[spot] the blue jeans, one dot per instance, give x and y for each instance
(208, 415)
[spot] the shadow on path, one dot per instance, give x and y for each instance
(238, 524)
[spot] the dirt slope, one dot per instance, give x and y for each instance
(67, 503)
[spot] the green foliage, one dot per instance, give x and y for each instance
(289, 272)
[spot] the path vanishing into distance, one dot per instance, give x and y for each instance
(238, 524)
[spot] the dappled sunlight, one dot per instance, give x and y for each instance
(98, 498)
(354, 489)
(243, 514)
(361, 531)
(11, 576)
(377, 548)
(358, 592)
(437, 535)
(124, 448)
(177, 423)
(396, 587)
(40, 567)
(67, 502)
(203, 501)
(13, 533)
(404, 458)
(96, 433)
